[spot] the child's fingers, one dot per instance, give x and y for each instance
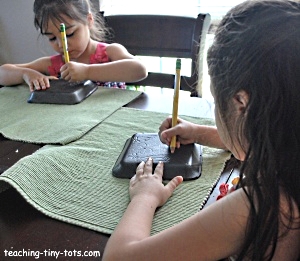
(173, 184)
(159, 170)
(148, 166)
(140, 169)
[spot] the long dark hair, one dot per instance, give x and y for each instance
(257, 50)
(45, 10)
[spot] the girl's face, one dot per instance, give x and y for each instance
(229, 137)
(78, 36)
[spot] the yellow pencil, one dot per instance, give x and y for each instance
(64, 42)
(175, 103)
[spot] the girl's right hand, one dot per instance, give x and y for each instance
(36, 80)
(188, 132)
(184, 131)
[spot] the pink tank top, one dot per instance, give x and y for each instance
(100, 56)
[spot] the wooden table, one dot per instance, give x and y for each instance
(23, 228)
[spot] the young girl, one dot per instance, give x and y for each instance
(254, 64)
(90, 58)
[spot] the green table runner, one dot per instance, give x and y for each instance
(73, 183)
(52, 123)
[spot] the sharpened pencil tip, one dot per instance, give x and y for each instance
(172, 149)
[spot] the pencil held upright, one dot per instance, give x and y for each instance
(64, 42)
(175, 102)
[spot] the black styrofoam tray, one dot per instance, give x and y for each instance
(63, 92)
(185, 161)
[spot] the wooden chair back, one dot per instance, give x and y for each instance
(164, 36)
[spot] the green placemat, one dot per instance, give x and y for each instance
(52, 123)
(73, 183)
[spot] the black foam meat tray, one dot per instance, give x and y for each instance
(63, 92)
(185, 161)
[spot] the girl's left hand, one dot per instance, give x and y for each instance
(74, 72)
(150, 186)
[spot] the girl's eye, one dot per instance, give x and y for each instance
(70, 35)
(52, 39)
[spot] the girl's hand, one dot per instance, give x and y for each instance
(184, 131)
(74, 72)
(36, 80)
(149, 186)
(188, 132)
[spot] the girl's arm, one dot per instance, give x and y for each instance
(123, 67)
(214, 233)
(34, 74)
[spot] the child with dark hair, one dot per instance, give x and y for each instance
(90, 57)
(254, 66)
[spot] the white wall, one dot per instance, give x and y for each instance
(216, 8)
(20, 41)
(165, 7)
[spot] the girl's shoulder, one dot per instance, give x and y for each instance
(289, 228)
(100, 55)
(108, 52)
(116, 51)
